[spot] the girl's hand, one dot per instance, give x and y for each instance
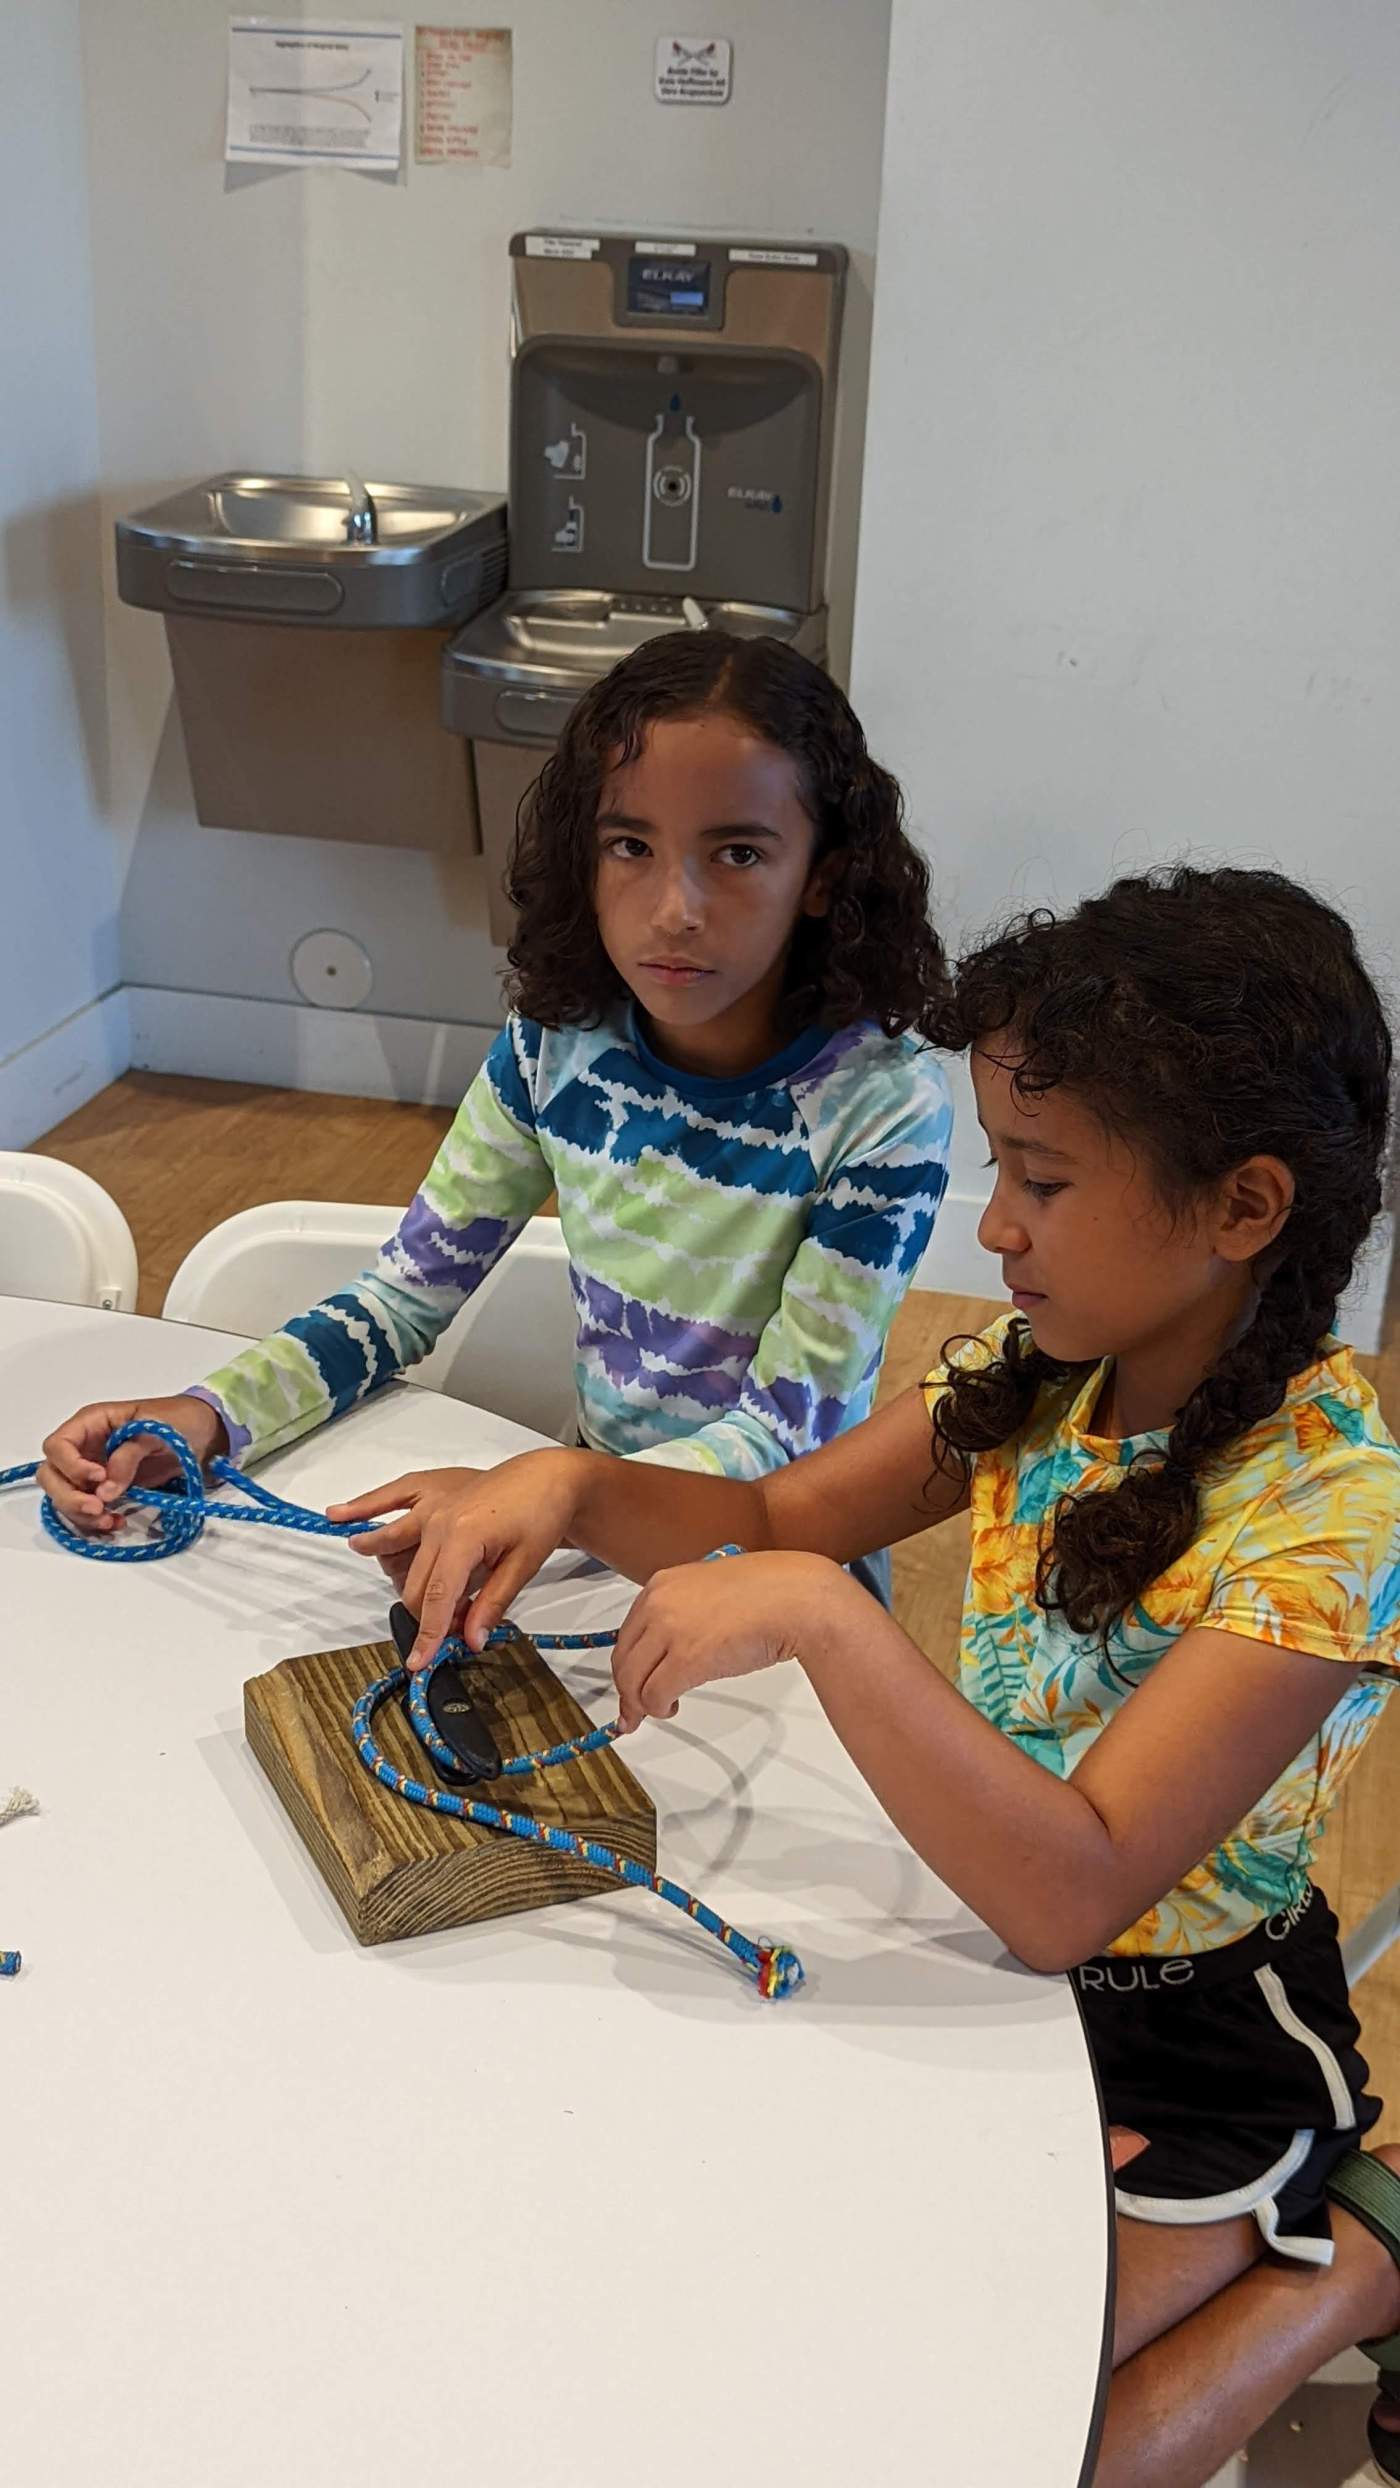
(727, 1618)
(83, 1484)
(465, 1541)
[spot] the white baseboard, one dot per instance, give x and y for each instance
(61, 1070)
(293, 1045)
(956, 1264)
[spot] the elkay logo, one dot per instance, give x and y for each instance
(754, 497)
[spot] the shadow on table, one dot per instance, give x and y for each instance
(814, 1866)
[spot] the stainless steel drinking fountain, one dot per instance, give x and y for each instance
(672, 414)
(307, 618)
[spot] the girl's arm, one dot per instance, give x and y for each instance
(874, 1486)
(870, 1488)
(487, 1178)
(1058, 1868)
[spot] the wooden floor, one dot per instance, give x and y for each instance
(179, 1155)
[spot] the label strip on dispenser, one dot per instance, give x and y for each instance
(773, 259)
(561, 246)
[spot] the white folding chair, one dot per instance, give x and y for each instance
(255, 1270)
(62, 1237)
(510, 1349)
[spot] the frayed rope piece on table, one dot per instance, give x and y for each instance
(17, 1803)
(181, 1513)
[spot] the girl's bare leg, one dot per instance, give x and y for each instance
(1193, 2395)
(1164, 2274)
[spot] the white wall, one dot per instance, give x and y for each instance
(304, 318)
(59, 864)
(1130, 551)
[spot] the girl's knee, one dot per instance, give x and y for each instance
(1165, 2273)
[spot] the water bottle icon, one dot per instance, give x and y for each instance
(671, 507)
(568, 535)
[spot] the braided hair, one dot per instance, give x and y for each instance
(873, 955)
(1210, 1017)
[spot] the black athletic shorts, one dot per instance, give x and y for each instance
(1241, 2068)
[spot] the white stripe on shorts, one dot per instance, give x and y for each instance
(1271, 1987)
(1191, 2210)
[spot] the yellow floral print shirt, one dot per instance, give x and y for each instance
(1299, 1544)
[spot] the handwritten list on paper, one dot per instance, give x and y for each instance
(463, 95)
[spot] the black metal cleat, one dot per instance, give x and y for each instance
(452, 1711)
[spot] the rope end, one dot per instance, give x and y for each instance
(18, 1802)
(779, 1972)
(9, 1964)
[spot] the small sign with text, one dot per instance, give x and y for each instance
(693, 69)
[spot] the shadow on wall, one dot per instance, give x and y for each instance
(51, 567)
(848, 459)
(252, 176)
(169, 793)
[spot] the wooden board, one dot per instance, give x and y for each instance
(400, 1869)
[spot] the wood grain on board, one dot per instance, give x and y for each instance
(401, 1869)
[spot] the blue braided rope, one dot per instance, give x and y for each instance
(775, 1969)
(182, 1512)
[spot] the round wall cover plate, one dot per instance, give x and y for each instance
(332, 970)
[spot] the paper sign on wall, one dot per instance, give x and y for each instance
(320, 91)
(463, 111)
(693, 69)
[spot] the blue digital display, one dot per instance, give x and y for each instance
(669, 289)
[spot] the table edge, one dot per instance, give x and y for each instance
(1099, 2412)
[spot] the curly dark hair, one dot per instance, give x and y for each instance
(874, 955)
(1209, 1017)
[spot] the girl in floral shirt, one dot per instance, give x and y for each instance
(1182, 1615)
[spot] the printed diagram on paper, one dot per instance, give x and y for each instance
(318, 92)
(463, 113)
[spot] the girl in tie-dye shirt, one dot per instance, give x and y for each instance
(726, 986)
(1182, 1615)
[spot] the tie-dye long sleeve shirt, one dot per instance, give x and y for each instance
(737, 1247)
